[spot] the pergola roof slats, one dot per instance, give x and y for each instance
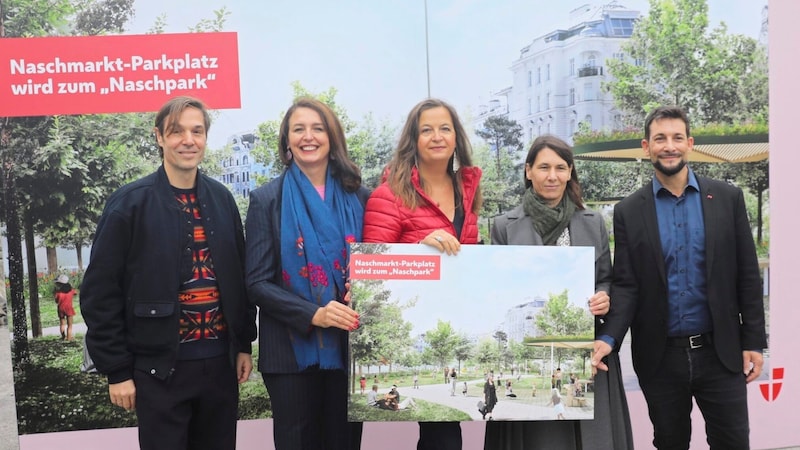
(736, 148)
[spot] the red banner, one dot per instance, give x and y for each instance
(395, 267)
(113, 74)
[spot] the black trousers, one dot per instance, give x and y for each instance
(720, 394)
(309, 411)
(439, 436)
(195, 408)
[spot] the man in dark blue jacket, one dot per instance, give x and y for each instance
(164, 298)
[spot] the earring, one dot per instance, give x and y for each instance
(288, 154)
(456, 164)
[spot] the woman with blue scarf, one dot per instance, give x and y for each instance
(299, 227)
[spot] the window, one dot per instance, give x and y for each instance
(618, 55)
(547, 101)
(591, 62)
(530, 106)
(572, 67)
(622, 27)
(548, 72)
(244, 160)
(571, 96)
(530, 78)
(588, 92)
(538, 75)
(538, 103)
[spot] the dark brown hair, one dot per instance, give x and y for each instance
(341, 166)
(564, 151)
(405, 156)
(665, 112)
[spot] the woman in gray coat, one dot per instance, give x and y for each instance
(552, 213)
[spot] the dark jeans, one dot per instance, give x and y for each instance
(720, 394)
(439, 436)
(309, 411)
(195, 408)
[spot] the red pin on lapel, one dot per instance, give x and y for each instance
(709, 196)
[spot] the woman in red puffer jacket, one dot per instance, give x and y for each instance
(430, 195)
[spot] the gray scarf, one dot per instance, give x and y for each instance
(548, 222)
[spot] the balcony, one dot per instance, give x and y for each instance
(591, 71)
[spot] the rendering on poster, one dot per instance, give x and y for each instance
(494, 332)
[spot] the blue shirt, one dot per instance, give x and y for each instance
(683, 244)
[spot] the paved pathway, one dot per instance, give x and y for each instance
(506, 408)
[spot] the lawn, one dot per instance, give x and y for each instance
(52, 393)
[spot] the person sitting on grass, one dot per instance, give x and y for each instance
(395, 400)
(509, 391)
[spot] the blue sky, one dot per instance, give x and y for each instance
(481, 283)
(374, 52)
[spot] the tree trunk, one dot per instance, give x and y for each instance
(33, 278)
(760, 222)
(15, 270)
(52, 260)
(79, 256)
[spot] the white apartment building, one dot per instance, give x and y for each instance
(520, 321)
(240, 169)
(557, 80)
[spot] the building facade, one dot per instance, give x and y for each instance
(520, 321)
(239, 170)
(557, 79)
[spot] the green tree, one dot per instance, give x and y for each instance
(560, 318)
(18, 139)
(666, 55)
(442, 342)
(604, 180)
(463, 349)
(486, 353)
(502, 180)
(675, 60)
(504, 137)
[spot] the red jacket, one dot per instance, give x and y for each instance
(387, 220)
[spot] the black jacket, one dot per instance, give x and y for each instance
(129, 294)
(639, 286)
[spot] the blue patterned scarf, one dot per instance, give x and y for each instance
(315, 252)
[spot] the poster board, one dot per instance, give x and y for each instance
(423, 311)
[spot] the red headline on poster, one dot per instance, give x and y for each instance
(395, 267)
(114, 74)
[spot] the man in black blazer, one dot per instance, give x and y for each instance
(686, 282)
